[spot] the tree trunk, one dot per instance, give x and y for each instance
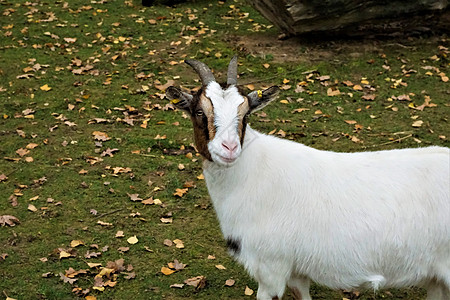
(353, 17)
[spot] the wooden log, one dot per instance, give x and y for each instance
(296, 17)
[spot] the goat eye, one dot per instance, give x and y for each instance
(199, 112)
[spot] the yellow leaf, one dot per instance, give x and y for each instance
(45, 88)
(285, 81)
(201, 177)
(31, 146)
(132, 240)
(90, 298)
(94, 265)
(266, 66)
(331, 92)
(364, 81)
(284, 101)
(167, 271)
(32, 208)
(76, 243)
(417, 123)
(250, 87)
(99, 288)
(64, 254)
(248, 291)
(178, 243)
(357, 87)
(9, 298)
(220, 267)
(105, 272)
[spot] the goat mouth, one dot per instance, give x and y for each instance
(228, 160)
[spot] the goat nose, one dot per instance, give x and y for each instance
(230, 146)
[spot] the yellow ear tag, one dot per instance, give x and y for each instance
(259, 92)
(175, 101)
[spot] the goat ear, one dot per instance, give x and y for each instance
(180, 99)
(258, 99)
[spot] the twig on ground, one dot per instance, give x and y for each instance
(390, 142)
(108, 213)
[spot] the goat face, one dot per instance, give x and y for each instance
(219, 114)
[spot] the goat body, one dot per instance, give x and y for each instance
(344, 220)
(291, 213)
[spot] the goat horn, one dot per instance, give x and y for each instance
(232, 71)
(203, 71)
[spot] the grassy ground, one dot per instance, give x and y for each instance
(92, 155)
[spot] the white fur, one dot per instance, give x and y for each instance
(225, 103)
(345, 220)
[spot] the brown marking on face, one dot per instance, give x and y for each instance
(243, 112)
(202, 116)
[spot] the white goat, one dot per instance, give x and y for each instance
(291, 213)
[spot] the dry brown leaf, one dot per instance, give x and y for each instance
(248, 291)
(198, 282)
(8, 220)
(230, 282)
(333, 92)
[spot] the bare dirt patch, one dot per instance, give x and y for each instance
(303, 50)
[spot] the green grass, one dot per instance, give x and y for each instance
(123, 52)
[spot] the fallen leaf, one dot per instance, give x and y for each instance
(403, 98)
(417, 123)
(198, 282)
(132, 240)
(66, 279)
(220, 267)
(119, 234)
(248, 291)
(31, 146)
(166, 271)
(76, 243)
(368, 97)
(178, 243)
(333, 92)
(64, 254)
(163, 87)
(148, 201)
(94, 265)
(134, 197)
(180, 192)
(22, 152)
(230, 282)
(8, 220)
(104, 223)
(32, 208)
(299, 110)
(45, 88)
(123, 249)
